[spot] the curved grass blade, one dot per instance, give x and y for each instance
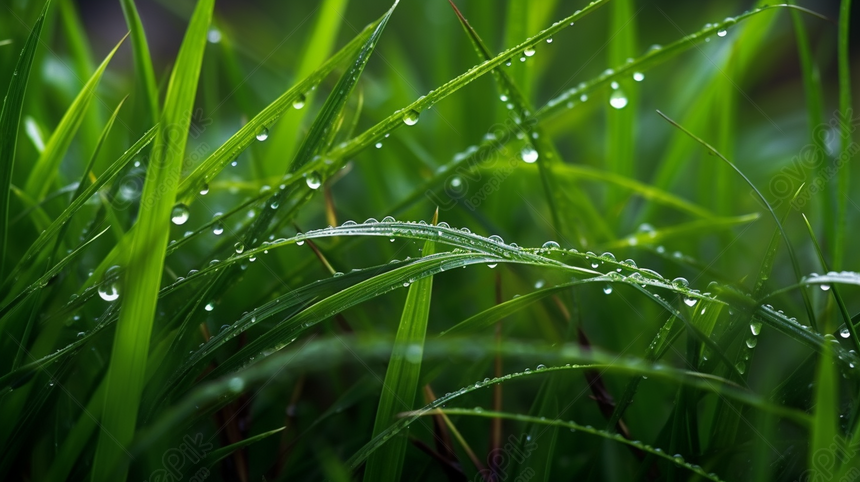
(10, 120)
(44, 171)
(401, 377)
(794, 263)
(142, 278)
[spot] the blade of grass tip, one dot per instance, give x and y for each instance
(10, 120)
(845, 130)
(142, 59)
(828, 328)
(402, 376)
(791, 254)
(47, 166)
(81, 55)
(318, 46)
(142, 277)
(620, 131)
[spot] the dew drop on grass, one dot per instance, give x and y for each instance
(239, 247)
(741, 366)
(618, 100)
(379, 145)
(529, 51)
(638, 76)
(844, 333)
(529, 154)
(410, 118)
(752, 342)
(755, 328)
(218, 228)
(539, 284)
(213, 35)
(496, 239)
(263, 134)
(689, 301)
(236, 385)
(204, 190)
(680, 282)
(824, 287)
(492, 265)
(209, 307)
(607, 289)
(179, 215)
(313, 180)
(299, 101)
(722, 32)
(549, 40)
(414, 353)
(110, 291)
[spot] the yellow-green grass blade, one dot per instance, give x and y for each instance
(285, 133)
(621, 116)
(10, 120)
(825, 430)
(45, 170)
(142, 278)
(401, 377)
(142, 59)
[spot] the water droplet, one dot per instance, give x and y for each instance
(844, 333)
(379, 145)
(680, 282)
(618, 100)
(690, 301)
(678, 458)
(413, 353)
(236, 384)
(824, 287)
(239, 247)
(722, 32)
(607, 289)
(218, 228)
(263, 134)
(179, 215)
(741, 366)
(209, 307)
(752, 342)
(313, 180)
(492, 265)
(529, 154)
(204, 190)
(529, 51)
(109, 291)
(299, 102)
(638, 76)
(549, 40)
(496, 239)
(755, 328)
(539, 284)
(550, 245)
(213, 35)
(410, 118)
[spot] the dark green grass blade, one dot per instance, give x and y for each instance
(845, 130)
(791, 254)
(142, 279)
(401, 377)
(10, 119)
(142, 59)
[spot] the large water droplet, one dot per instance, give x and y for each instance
(299, 101)
(618, 100)
(844, 333)
(239, 247)
(179, 215)
(529, 154)
(529, 51)
(109, 292)
(690, 301)
(410, 118)
(263, 134)
(824, 287)
(722, 32)
(204, 190)
(218, 228)
(313, 180)
(755, 328)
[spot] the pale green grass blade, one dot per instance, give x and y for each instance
(284, 135)
(10, 119)
(825, 430)
(45, 170)
(142, 59)
(142, 278)
(401, 377)
(620, 131)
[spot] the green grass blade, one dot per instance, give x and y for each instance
(319, 45)
(401, 377)
(45, 170)
(142, 58)
(142, 277)
(825, 431)
(621, 138)
(10, 120)
(845, 130)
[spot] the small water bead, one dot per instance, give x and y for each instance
(529, 51)
(690, 301)
(529, 154)
(492, 265)
(617, 99)
(680, 282)
(607, 289)
(752, 342)
(410, 118)
(614, 85)
(722, 32)
(549, 40)
(496, 239)
(824, 287)
(204, 190)
(236, 385)
(378, 145)
(109, 291)
(389, 219)
(299, 101)
(638, 76)
(209, 307)
(550, 245)
(313, 180)
(263, 134)
(179, 215)
(755, 328)
(213, 35)
(741, 367)
(539, 284)
(218, 228)
(678, 458)
(844, 333)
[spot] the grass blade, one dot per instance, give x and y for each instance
(142, 59)
(142, 279)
